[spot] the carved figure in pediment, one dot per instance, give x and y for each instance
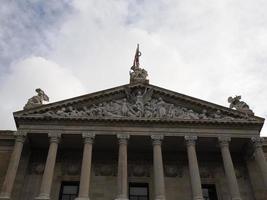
(217, 114)
(36, 100)
(203, 115)
(62, 112)
(239, 105)
(161, 110)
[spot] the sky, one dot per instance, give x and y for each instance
(208, 49)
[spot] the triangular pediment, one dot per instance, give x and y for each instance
(137, 102)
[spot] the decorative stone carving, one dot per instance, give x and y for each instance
(137, 74)
(138, 104)
(36, 168)
(139, 170)
(172, 171)
(257, 141)
(239, 105)
(105, 169)
(36, 100)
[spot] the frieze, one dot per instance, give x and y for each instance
(138, 104)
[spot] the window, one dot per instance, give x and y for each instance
(209, 192)
(138, 191)
(69, 190)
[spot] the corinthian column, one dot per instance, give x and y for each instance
(49, 167)
(193, 168)
(12, 166)
(229, 168)
(260, 158)
(159, 182)
(122, 168)
(86, 166)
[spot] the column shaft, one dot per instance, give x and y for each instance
(86, 167)
(122, 168)
(47, 179)
(260, 157)
(193, 168)
(159, 182)
(12, 168)
(229, 168)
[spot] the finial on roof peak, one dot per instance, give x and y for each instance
(137, 74)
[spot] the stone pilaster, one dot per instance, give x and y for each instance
(122, 167)
(193, 168)
(47, 179)
(86, 166)
(229, 168)
(159, 182)
(259, 157)
(13, 166)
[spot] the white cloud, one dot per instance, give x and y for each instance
(27, 75)
(207, 49)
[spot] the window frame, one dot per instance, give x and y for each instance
(138, 184)
(68, 183)
(211, 188)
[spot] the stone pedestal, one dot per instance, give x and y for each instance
(193, 168)
(122, 168)
(49, 168)
(86, 167)
(229, 168)
(12, 167)
(260, 157)
(159, 182)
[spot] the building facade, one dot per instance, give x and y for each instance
(136, 141)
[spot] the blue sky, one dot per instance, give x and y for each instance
(209, 49)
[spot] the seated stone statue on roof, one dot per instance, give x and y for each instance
(36, 100)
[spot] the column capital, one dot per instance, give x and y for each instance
(88, 137)
(257, 141)
(224, 140)
(157, 139)
(190, 139)
(54, 137)
(123, 138)
(20, 136)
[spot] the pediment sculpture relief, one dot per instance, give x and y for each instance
(138, 104)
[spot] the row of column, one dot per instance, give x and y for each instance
(122, 177)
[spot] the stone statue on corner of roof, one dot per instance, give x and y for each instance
(36, 100)
(239, 105)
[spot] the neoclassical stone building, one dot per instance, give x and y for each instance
(136, 141)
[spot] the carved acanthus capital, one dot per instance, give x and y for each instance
(224, 141)
(54, 137)
(88, 137)
(257, 141)
(123, 138)
(157, 139)
(190, 139)
(20, 136)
